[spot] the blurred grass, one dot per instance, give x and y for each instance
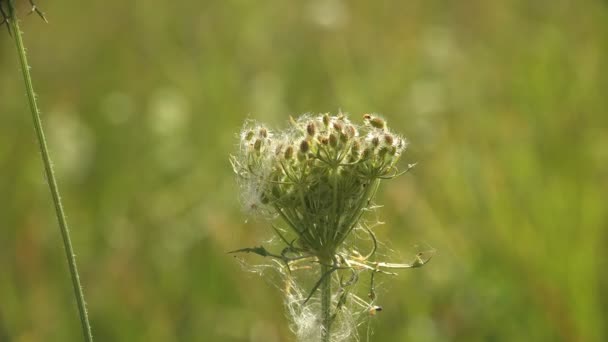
(504, 104)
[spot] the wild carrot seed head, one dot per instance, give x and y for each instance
(321, 193)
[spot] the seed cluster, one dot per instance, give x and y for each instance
(319, 175)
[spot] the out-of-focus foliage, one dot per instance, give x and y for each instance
(504, 103)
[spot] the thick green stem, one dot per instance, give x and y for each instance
(50, 175)
(325, 304)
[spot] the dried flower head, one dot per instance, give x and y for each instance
(322, 194)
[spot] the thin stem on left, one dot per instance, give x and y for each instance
(50, 175)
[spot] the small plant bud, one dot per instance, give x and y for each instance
(249, 135)
(392, 150)
(343, 137)
(350, 131)
(263, 132)
(333, 140)
(382, 151)
(289, 152)
(367, 116)
(310, 129)
(304, 146)
(257, 146)
(366, 153)
(388, 139)
(375, 141)
(324, 141)
(377, 122)
(338, 126)
(326, 120)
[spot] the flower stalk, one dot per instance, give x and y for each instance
(325, 305)
(15, 30)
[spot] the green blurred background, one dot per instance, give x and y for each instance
(504, 104)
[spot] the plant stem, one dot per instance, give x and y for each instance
(325, 304)
(50, 175)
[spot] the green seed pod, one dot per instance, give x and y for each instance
(289, 152)
(382, 151)
(333, 140)
(377, 123)
(304, 146)
(249, 135)
(366, 153)
(350, 131)
(392, 150)
(310, 129)
(343, 137)
(326, 120)
(257, 146)
(388, 139)
(263, 132)
(375, 141)
(338, 126)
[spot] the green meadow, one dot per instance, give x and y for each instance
(504, 105)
